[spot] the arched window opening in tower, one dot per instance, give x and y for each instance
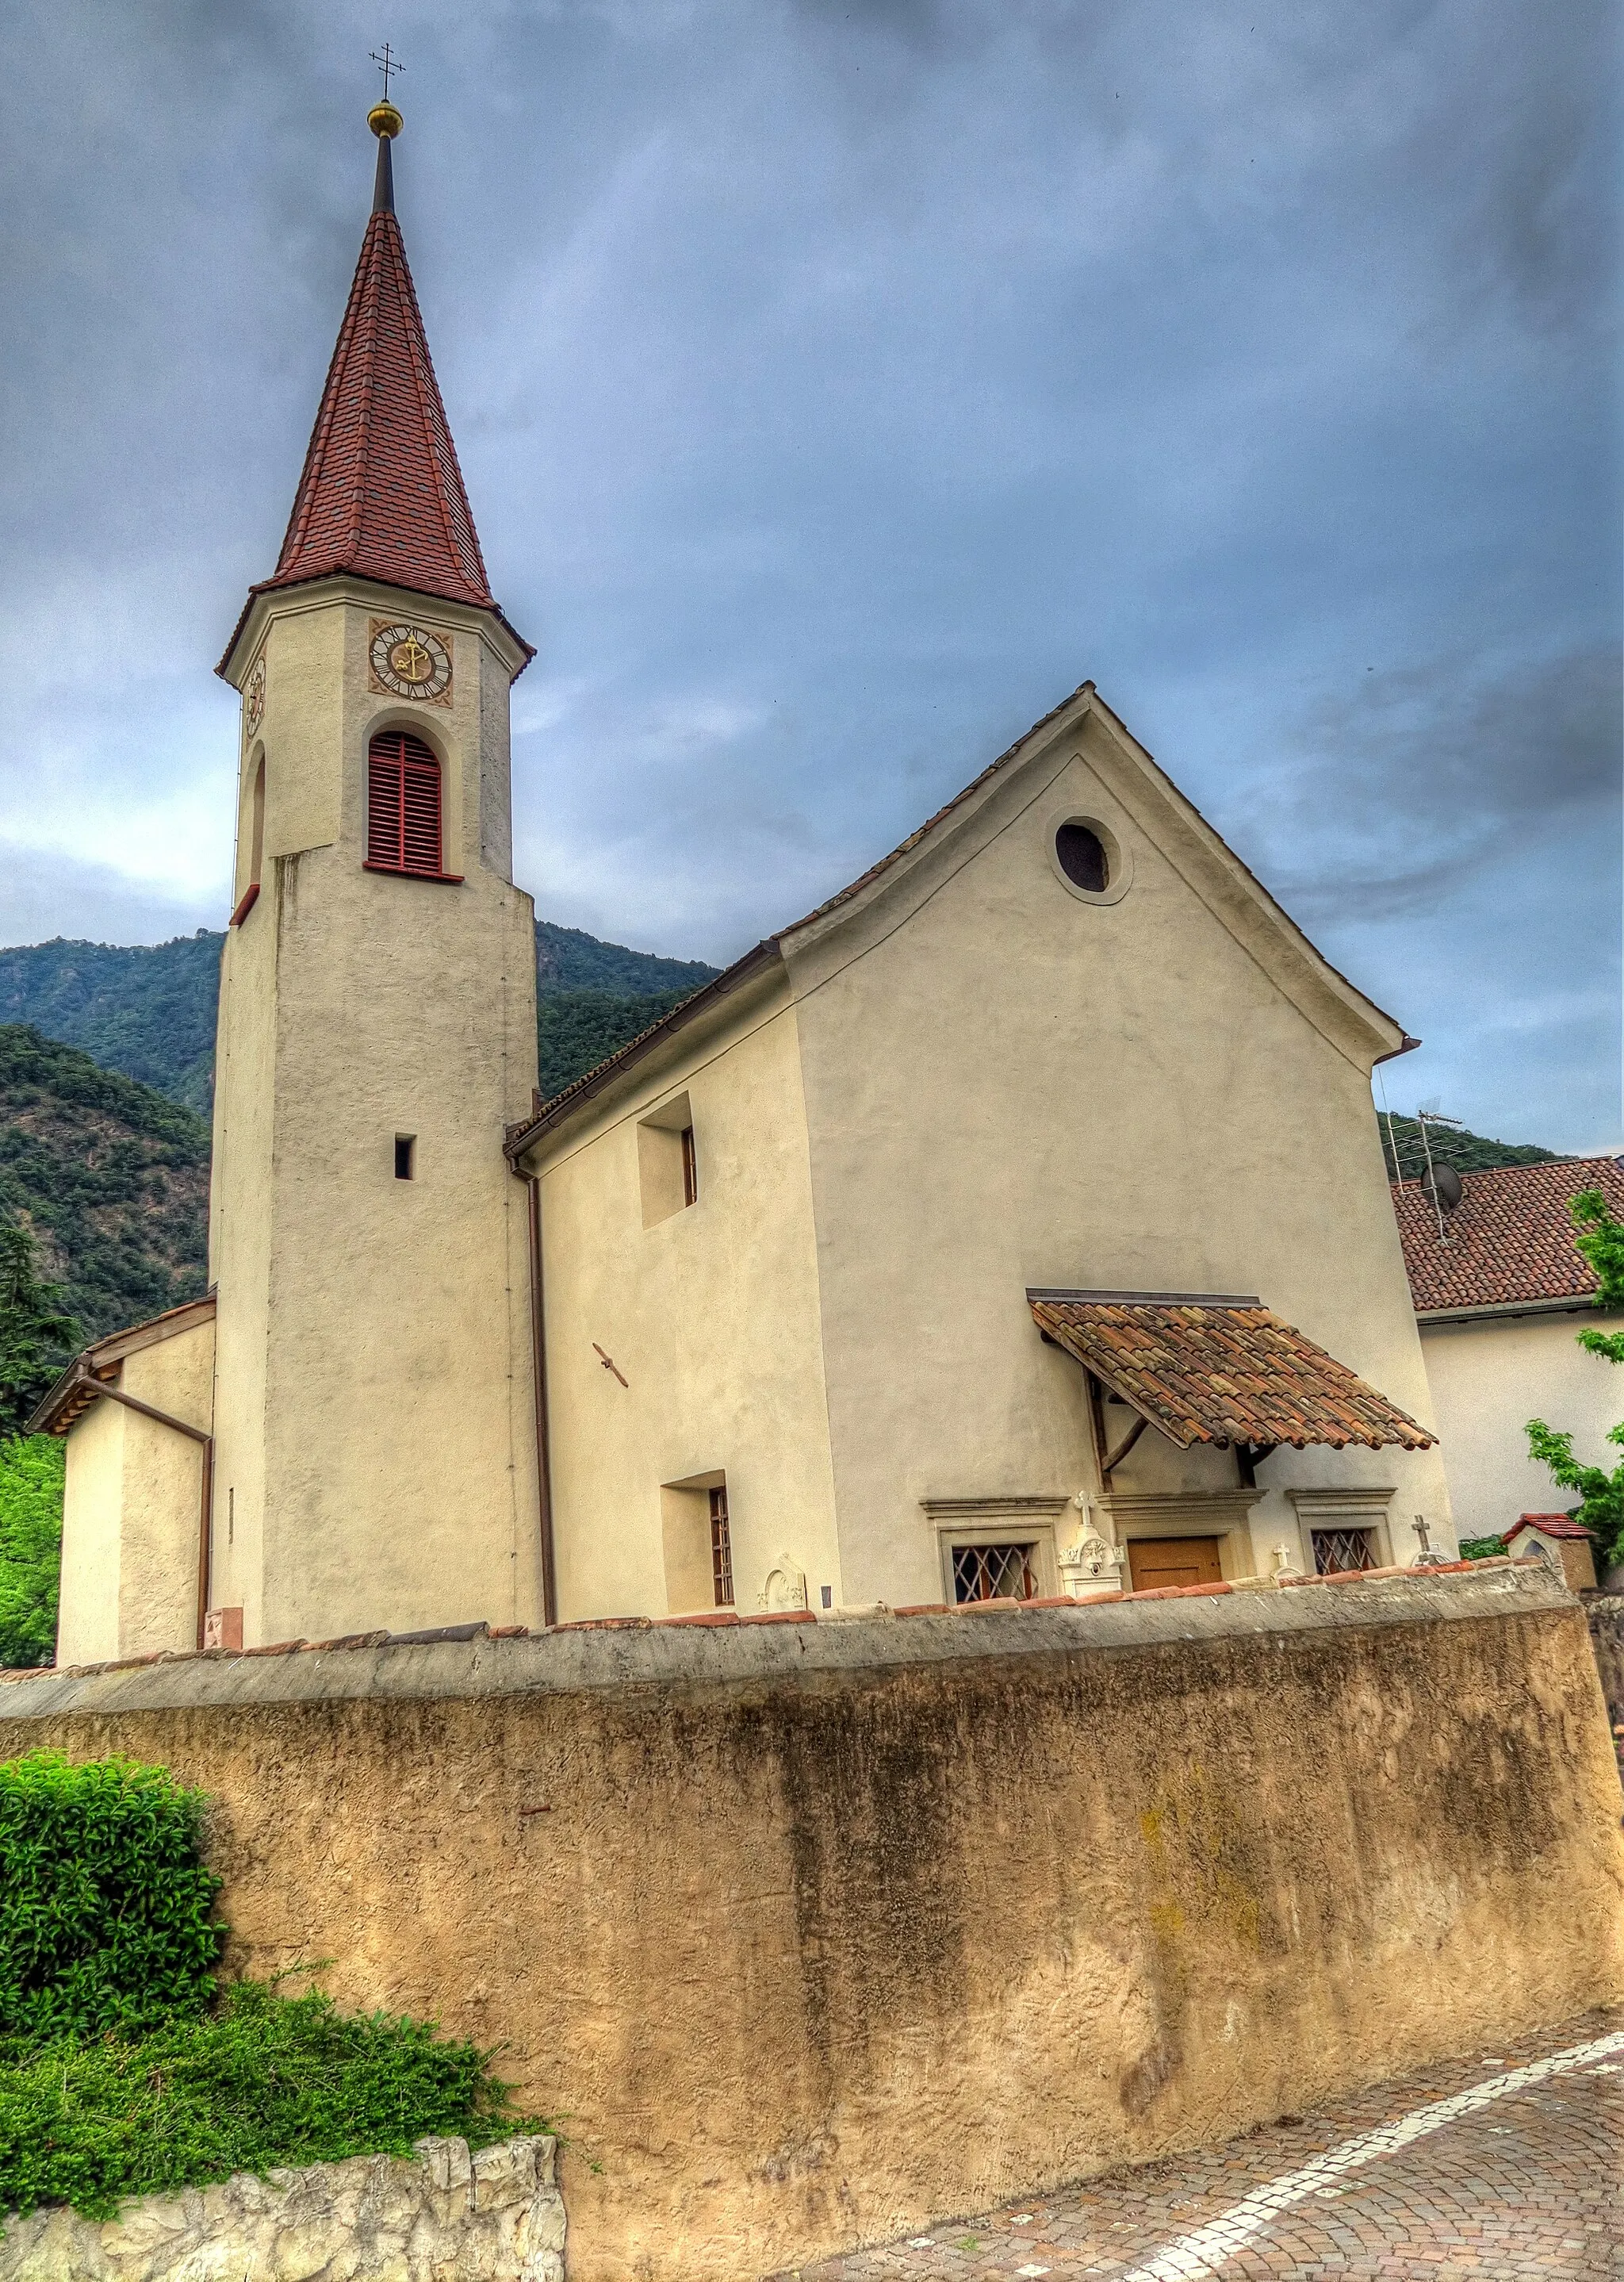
(403, 806)
(256, 846)
(256, 826)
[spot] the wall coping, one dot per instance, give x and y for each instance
(721, 1651)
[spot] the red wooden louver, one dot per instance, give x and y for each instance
(403, 806)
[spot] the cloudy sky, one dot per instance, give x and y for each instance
(838, 384)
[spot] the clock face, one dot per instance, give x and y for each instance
(254, 698)
(410, 661)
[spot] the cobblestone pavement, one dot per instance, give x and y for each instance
(1526, 2182)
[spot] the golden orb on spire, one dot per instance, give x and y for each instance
(384, 121)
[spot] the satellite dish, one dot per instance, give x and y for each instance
(1442, 1185)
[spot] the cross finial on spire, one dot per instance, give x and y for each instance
(384, 58)
(385, 122)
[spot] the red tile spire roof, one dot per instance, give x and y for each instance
(381, 495)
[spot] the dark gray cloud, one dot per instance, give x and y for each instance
(837, 385)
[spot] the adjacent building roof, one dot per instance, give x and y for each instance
(1216, 1368)
(75, 1391)
(1549, 1525)
(1510, 1240)
(381, 496)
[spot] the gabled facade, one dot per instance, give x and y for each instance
(970, 1080)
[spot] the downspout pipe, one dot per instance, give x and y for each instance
(98, 1386)
(539, 1372)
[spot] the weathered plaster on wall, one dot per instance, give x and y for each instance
(816, 1932)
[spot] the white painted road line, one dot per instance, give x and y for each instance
(1198, 2257)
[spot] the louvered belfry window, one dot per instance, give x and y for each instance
(403, 805)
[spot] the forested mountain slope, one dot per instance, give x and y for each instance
(1468, 1152)
(111, 1178)
(149, 1011)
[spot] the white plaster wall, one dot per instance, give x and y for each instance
(711, 1316)
(131, 1512)
(1487, 1380)
(374, 1402)
(87, 1617)
(1007, 1087)
(163, 1492)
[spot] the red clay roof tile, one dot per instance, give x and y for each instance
(382, 494)
(1221, 1370)
(1511, 1237)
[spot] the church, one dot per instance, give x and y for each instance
(1013, 1226)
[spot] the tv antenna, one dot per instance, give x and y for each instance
(1441, 1183)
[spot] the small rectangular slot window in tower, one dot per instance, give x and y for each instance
(406, 1156)
(721, 1549)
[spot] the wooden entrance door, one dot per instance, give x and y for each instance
(1160, 1561)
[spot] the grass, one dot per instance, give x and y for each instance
(263, 2081)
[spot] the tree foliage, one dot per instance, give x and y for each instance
(106, 1911)
(109, 1178)
(31, 1475)
(264, 2080)
(123, 2069)
(577, 1029)
(1600, 1509)
(37, 1335)
(1601, 1239)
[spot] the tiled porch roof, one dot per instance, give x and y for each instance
(1216, 1368)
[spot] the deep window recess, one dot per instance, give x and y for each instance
(667, 1168)
(1082, 857)
(721, 1550)
(992, 1572)
(403, 806)
(1338, 1551)
(406, 1156)
(256, 826)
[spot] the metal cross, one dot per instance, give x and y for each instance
(384, 58)
(1429, 1557)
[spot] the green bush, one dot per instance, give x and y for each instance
(124, 2071)
(266, 2080)
(32, 1467)
(1481, 1548)
(106, 1912)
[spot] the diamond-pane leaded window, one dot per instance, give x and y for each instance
(1338, 1551)
(992, 1572)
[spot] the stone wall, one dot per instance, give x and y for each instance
(444, 2216)
(808, 1933)
(1605, 1614)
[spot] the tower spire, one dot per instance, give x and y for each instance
(381, 495)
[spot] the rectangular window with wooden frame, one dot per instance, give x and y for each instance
(721, 1549)
(668, 1164)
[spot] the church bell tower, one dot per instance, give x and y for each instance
(374, 1432)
